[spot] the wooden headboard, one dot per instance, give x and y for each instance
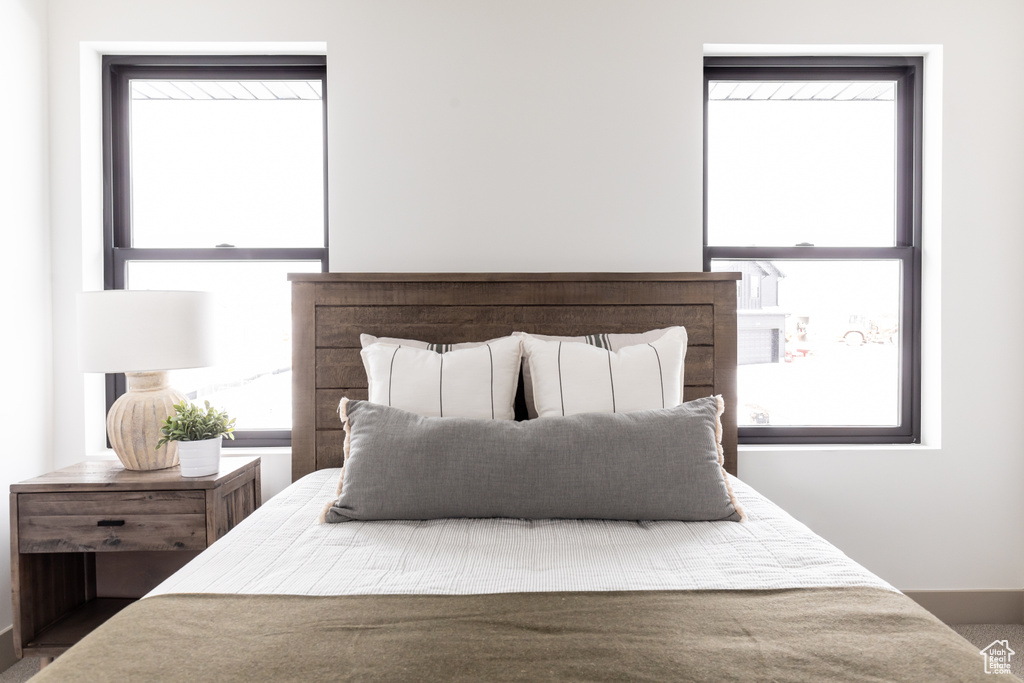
(330, 310)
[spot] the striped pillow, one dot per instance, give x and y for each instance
(367, 339)
(478, 382)
(611, 342)
(572, 377)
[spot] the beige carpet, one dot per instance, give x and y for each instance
(980, 635)
(22, 671)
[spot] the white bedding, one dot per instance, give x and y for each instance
(282, 549)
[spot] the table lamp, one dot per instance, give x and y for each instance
(144, 334)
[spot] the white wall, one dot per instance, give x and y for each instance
(26, 402)
(536, 135)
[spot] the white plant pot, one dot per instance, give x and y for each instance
(199, 458)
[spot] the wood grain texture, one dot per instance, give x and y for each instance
(562, 293)
(210, 518)
(451, 324)
(113, 503)
(330, 310)
(725, 367)
(327, 401)
(110, 475)
(330, 448)
(43, 587)
(48, 587)
(235, 501)
(304, 366)
(61, 520)
(84, 533)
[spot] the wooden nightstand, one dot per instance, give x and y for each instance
(89, 539)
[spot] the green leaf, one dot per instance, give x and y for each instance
(192, 423)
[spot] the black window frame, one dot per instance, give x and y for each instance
(907, 72)
(117, 72)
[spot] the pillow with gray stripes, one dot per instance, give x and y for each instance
(367, 339)
(612, 342)
(648, 465)
(475, 382)
(570, 377)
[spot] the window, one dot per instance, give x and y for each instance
(214, 179)
(812, 192)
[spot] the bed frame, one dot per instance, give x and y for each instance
(330, 310)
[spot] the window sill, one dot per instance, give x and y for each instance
(908, 448)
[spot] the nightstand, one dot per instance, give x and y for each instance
(89, 539)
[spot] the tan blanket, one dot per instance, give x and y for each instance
(832, 634)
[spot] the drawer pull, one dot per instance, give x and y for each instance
(110, 522)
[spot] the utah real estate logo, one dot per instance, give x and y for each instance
(997, 657)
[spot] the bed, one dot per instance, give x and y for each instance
(284, 597)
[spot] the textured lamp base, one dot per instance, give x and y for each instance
(134, 421)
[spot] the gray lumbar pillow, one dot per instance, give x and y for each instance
(663, 464)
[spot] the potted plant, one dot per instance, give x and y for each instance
(199, 433)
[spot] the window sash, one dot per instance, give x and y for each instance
(118, 72)
(120, 256)
(906, 72)
(116, 384)
(909, 403)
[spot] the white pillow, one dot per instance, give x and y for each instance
(573, 377)
(367, 339)
(612, 342)
(478, 382)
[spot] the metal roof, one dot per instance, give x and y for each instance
(802, 90)
(225, 90)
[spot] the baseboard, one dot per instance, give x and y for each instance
(7, 656)
(973, 607)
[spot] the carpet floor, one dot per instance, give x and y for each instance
(982, 635)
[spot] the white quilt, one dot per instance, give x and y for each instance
(282, 549)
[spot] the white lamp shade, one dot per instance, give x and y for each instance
(143, 331)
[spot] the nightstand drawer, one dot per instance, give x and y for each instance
(111, 521)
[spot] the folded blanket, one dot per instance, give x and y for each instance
(816, 634)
